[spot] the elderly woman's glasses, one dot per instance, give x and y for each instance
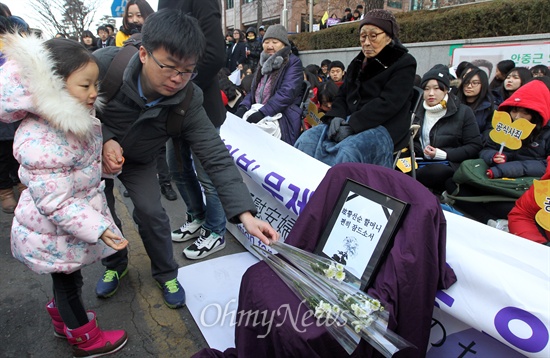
(171, 71)
(372, 36)
(472, 84)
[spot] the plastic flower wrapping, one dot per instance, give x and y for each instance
(333, 294)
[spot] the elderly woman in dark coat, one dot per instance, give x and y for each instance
(370, 115)
(277, 85)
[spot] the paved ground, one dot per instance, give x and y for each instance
(154, 330)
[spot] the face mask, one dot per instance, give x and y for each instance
(251, 37)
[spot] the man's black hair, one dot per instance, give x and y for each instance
(338, 64)
(177, 33)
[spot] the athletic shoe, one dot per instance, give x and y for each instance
(207, 243)
(168, 192)
(108, 284)
(173, 293)
(190, 230)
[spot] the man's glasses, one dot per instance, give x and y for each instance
(171, 71)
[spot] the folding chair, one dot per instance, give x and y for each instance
(416, 101)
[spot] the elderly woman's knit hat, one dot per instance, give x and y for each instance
(383, 19)
(277, 32)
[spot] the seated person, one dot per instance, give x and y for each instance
(503, 67)
(326, 95)
(336, 72)
(540, 70)
(233, 93)
(532, 102)
(323, 73)
(448, 132)
(277, 85)
(521, 219)
(370, 115)
(475, 93)
(517, 77)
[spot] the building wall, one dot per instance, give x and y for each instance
(243, 15)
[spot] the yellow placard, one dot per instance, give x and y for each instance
(313, 116)
(404, 164)
(507, 133)
(542, 198)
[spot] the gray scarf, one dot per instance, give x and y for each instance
(275, 61)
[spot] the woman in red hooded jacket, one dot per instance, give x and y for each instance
(521, 219)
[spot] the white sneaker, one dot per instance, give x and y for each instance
(207, 243)
(189, 230)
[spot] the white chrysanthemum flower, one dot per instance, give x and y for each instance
(358, 311)
(330, 272)
(339, 267)
(340, 276)
(357, 326)
(319, 312)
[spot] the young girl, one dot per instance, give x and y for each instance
(62, 222)
(532, 102)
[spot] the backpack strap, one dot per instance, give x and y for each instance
(174, 123)
(113, 77)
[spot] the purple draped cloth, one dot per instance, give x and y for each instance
(406, 283)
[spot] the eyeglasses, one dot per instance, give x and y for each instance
(372, 36)
(472, 84)
(171, 71)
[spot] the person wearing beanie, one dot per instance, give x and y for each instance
(532, 102)
(336, 72)
(448, 132)
(253, 48)
(370, 116)
(503, 67)
(276, 86)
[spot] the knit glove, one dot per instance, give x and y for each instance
(343, 132)
(241, 111)
(334, 125)
(490, 174)
(494, 173)
(255, 117)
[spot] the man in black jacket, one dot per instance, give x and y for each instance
(135, 119)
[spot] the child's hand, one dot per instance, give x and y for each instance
(112, 157)
(499, 158)
(113, 241)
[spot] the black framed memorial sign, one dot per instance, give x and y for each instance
(361, 229)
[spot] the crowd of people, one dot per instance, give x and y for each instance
(365, 110)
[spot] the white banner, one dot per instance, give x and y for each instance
(487, 57)
(503, 287)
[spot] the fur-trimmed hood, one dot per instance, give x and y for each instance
(49, 97)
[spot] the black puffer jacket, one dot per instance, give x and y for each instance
(457, 133)
(255, 47)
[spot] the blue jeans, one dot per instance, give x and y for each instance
(373, 146)
(183, 164)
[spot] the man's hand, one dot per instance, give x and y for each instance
(112, 157)
(113, 241)
(259, 228)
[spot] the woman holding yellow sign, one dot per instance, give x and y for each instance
(518, 147)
